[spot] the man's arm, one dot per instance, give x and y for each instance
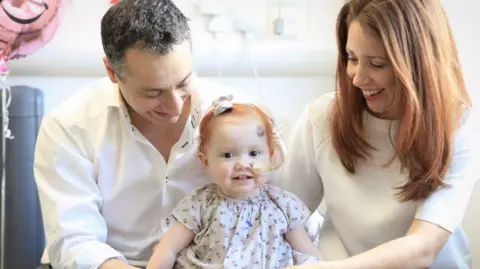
(70, 200)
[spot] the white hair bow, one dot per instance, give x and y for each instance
(222, 104)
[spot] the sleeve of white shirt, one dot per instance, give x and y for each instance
(446, 207)
(299, 171)
(70, 199)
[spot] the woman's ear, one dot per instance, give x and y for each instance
(203, 160)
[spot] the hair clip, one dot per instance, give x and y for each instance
(222, 104)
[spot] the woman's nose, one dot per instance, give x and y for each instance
(360, 77)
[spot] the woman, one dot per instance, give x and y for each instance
(393, 153)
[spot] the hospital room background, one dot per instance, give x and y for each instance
(281, 52)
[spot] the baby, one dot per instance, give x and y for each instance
(238, 221)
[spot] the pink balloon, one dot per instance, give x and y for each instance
(27, 25)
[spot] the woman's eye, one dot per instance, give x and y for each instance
(152, 94)
(378, 65)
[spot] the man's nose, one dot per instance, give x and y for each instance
(173, 103)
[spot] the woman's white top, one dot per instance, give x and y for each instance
(362, 211)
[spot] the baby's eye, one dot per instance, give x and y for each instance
(254, 153)
(227, 155)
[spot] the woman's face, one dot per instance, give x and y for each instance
(371, 71)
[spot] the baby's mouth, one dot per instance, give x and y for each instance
(242, 177)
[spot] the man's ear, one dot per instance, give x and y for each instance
(110, 70)
(203, 160)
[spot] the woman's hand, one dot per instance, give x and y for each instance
(415, 250)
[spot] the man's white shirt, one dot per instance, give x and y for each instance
(103, 187)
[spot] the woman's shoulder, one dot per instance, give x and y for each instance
(324, 100)
(319, 109)
(468, 125)
(470, 118)
(315, 118)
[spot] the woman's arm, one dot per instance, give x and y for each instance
(174, 240)
(300, 241)
(416, 250)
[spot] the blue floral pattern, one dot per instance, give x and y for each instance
(240, 233)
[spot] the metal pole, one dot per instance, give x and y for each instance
(4, 143)
(5, 134)
(4, 158)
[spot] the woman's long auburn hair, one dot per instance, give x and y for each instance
(420, 46)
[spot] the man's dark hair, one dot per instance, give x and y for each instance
(152, 25)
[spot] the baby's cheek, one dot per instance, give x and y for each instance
(261, 180)
(222, 170)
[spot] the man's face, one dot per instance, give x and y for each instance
(156, 86)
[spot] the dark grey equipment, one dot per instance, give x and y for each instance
(24, 238)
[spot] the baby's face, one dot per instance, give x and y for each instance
(237, 155)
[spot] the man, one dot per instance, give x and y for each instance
(113, 160)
